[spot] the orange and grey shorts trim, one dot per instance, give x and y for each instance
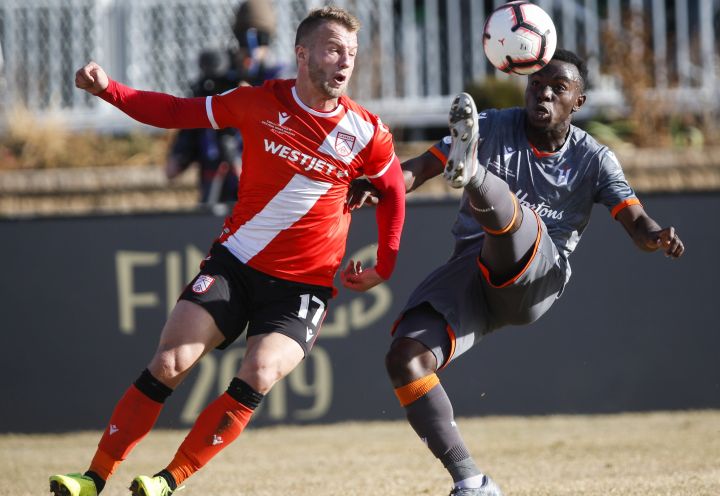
(426, 325)
(457, 304)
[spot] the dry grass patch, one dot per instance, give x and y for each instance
(30, 143)
(653, 454)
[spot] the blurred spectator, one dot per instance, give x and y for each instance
(254, 29)
(217, 153)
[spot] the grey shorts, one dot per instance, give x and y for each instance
(456, 304)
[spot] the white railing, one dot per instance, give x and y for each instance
(415, 54)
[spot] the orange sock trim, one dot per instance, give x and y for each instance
(499, 232)
(416, 389)
(103, 464)
(216, 427)
(133, 417)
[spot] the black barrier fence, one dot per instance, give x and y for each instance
(83, 301)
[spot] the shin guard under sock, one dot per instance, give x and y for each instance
(133, 417)
(218, 425)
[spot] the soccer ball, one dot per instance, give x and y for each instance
(519, 37)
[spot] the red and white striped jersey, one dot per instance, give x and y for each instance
(291, 220)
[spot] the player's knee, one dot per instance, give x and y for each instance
(261, 374)
(408, 360)
(169, 367)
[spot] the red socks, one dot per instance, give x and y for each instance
(132, 419)
(217, 426)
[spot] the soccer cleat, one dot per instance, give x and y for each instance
(462, 161)
(72, 485)
(488, 488)
(143, 485)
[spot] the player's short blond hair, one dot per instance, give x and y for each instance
(316, 17)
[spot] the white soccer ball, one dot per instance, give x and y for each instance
(519, 37)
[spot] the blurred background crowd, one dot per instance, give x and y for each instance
(653, 93)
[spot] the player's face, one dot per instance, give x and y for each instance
(552, 95)
(332, 58)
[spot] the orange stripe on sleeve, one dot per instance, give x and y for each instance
(617, 208)
(416, 389)
(435, 151)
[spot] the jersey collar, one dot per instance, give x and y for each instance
(541, 154)
(314, 112)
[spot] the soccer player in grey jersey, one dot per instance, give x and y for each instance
(530, 180)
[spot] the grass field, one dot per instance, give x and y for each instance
(654, 454)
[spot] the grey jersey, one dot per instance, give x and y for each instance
(561, 186)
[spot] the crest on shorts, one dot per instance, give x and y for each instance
(344, 143)
(202, 283)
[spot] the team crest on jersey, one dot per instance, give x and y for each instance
(202, 283)
(344, 143)
(563, 176)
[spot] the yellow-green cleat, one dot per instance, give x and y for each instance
(143, 485)
(72, 485)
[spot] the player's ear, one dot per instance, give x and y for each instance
(579, 102)
(300, 53)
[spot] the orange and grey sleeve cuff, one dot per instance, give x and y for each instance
(617, 208)
(440, 155)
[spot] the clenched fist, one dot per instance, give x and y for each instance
(91, 78)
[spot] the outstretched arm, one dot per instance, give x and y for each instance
(154, 109)
(419, 169)
(415, 172)
(647, 234)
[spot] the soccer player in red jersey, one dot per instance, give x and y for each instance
(272, 267)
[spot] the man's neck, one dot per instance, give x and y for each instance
(313, 98)
(548, 140)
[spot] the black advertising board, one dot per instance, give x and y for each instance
(83, 301)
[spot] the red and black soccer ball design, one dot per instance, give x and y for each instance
(519, 37)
